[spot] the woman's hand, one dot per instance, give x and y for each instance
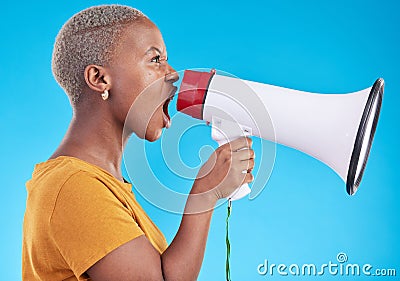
(227, 169)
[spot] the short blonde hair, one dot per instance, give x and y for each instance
(88, 37)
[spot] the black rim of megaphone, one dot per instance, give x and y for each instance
(376, 92)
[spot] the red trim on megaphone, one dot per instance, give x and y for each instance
(193, 91)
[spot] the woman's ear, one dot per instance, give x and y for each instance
(97, 78)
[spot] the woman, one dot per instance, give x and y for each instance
(82, 221)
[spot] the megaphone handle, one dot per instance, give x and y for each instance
(240, 192)
(244, 189)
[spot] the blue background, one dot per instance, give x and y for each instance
(304, 214)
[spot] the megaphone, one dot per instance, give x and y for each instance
(337, 129)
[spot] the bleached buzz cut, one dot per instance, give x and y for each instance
(88, 37)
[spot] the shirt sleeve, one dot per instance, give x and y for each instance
(88, 222)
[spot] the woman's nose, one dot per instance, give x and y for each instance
(172, 76)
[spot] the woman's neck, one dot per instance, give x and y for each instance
(93, 138)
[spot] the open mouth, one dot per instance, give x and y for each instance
(167, 118)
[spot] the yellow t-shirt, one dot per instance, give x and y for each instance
(76, 213)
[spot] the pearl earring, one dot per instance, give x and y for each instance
(104, 95)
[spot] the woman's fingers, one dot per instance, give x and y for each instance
(240, 143)
(244, 177)
(244, 154)
(246, 165)
(228, 168)
(249, 178)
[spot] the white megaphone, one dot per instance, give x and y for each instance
(337, 129)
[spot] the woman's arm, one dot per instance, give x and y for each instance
(183, 258)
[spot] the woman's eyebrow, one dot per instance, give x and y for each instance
(152, 48)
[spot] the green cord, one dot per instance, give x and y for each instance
(228, 244)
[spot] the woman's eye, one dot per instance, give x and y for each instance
(156, 59)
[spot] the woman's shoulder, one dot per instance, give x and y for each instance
(61, 168)
(71, 178)
(59, 171)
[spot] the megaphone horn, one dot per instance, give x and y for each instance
(337, 129)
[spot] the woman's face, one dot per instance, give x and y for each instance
(142, 81)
